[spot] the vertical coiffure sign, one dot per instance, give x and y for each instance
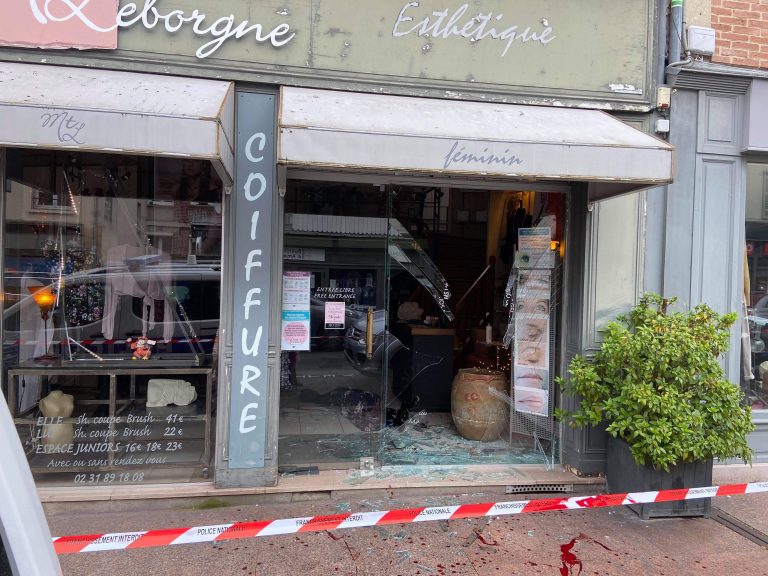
(252, 208)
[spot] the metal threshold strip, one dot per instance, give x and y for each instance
(741, 528)
(498, 479)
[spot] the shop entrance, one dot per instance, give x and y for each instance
(419, 324)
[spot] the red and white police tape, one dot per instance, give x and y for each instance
(238, 530)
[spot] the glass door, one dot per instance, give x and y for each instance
(334, 325)
(422, 324)
(471, 380)
(401, 328)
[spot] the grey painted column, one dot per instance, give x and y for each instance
(248, 449)
(654, 239)
(582, 448)
(679, 218)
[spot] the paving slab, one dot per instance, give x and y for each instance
(604, 541)
(749, 509)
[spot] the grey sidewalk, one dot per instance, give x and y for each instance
(607, 541)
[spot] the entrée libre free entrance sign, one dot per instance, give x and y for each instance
(592, 47)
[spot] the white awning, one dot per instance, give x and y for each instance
(118, 112)
(343, 130)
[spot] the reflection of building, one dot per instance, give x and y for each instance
(419, 172)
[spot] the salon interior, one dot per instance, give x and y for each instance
(433, 324)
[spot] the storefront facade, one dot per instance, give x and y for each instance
(219, 267)
(712, 218)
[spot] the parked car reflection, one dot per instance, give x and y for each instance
(385, 345)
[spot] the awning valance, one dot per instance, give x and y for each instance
(107, 111)
(376, 132)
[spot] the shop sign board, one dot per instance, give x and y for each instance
(252, 200)
(309, 254)
(601, 50)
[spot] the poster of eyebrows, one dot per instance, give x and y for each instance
(531, 357)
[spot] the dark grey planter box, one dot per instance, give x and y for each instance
(623, 474)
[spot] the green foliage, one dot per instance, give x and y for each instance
(657, 383)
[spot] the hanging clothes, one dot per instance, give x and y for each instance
(514, 223)
(127, 276)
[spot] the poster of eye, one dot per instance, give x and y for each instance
(295, 313)
(531, 357)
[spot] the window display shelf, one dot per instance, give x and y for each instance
(127, 435)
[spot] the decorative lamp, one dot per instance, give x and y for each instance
(45, 300)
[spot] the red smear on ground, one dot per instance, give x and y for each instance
(484, 541)
(570, 560)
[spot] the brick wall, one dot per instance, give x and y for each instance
(741, 32)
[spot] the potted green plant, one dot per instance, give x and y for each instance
(657, 385)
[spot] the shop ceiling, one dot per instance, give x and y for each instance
(108, 111)
(369, 132)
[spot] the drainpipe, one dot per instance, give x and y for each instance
(675, 30)
(677, 36)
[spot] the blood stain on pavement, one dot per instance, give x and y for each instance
(570, 560)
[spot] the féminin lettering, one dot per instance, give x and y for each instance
(473, 28)
(459, 155)
(130, 14)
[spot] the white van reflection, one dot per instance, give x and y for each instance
(182, 316)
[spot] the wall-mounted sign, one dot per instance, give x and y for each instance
(252, 200)
(308, 254)
(94, 24)
(542, 46)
